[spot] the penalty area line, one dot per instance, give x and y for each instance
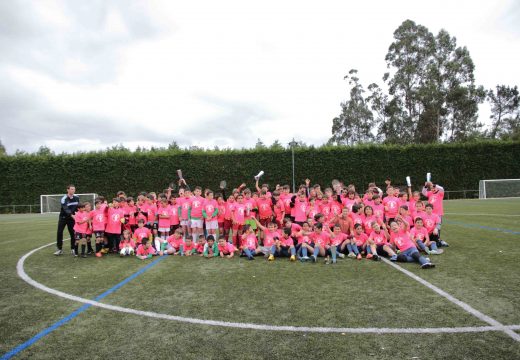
(463, 305)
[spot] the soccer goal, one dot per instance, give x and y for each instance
(51, 204)
(499, 188)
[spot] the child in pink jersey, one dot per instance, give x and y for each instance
(435, 195)
(210, 213)
(226, 249)
(268, 244)
(195, 212)
(228, 219)
(303, 245)
(238, 216)
(421, 238)
(369, 219)
(145, 250)
(189, 246)
(338, 242)
(300, 208)
(400, 237)
(380, 237)
(278, 208)
(378, 207)
(175, 243)
(98, 219)
(357, 242)
(201, 243)
(221, 215)
(284, 245)
(163, 215)
(391, 204)
(81, 222)
(249, 245)
(126, 245)
(142, 232)
(321, 241)
(265, 210)
(432, 223)
(88, 234)
(174, 214)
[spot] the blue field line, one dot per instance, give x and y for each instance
(75, 313)
(507, 231)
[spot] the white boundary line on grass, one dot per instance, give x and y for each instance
(456, 301)
(471, 329)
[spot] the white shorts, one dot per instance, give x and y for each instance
(164, 230)
(266, 250)
(212, 225)
(127, 251)
(196, 223)
(185, 223)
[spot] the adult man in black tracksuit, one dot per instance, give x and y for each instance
(69, 204)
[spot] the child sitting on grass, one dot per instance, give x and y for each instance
(145, 250)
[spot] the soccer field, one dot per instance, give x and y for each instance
(468, 307)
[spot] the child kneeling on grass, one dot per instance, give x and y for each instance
(127, 245)
(145, 250)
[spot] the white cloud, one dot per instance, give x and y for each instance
(226, 73)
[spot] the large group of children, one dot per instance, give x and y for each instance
(312, 222)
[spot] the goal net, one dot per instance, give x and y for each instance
(499, 188)
(52, 203)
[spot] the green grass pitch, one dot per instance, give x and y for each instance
(481, 268)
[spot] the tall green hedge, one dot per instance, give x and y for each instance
(456, 166)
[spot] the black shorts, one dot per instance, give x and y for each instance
(381, 251)
(79, 236)
(99, 234)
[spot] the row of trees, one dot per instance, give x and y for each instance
(431, 97)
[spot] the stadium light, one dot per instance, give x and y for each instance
(292, 144)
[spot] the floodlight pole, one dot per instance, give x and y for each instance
(293, 144)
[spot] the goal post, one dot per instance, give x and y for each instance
(51, 204)
(499, 188)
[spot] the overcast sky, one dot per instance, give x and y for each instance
(83, 75)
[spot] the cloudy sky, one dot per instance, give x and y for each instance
(82, 75)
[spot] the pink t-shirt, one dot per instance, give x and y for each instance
(269, 237)
(130, 210)
(99, 219)
(209, 207)
(230, 208)
(174, 214)
(379, 210)
(126, 243)
(367, 223)
(402, 240)
(378, 238)
(221, 216)
(337, 239)
(189, 248)
(417, 234)
(114, 220)
(250, 241)
(322, 239)
(175, 241)
(185, 207)
(286, 198)
(430, 221)
(227, 248)
(81, 216)
(152, 210)
(141, 233)
(250, 204)
(347, 202)
(300, 210)
(164, 211)
(196, 204)
(142, 251)
(264, 208)
(240, 213)
(279, 208)
(335, 208)
(392, 205)
(436, 200)
(325, 210)
(313, 210)
(287, 241)
(356, 218)
(360, 239)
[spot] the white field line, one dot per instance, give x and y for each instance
(456, 301)
(480, 214)
(471, 329)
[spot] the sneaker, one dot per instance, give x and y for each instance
(393, 258)
(99, 254)
(72, 252)
(327, 261)
(433, 252)
(104, 251)
(428, 251)
(428, 259)
(293, 258)
(314, 258)
(83, 256)
(376, 257)
(427, 265)
(351, 255)
(444, 243)
(370, 256)
(58, 252)
(358, 257)
(90, 252)
(271, 257)
(341, 255)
